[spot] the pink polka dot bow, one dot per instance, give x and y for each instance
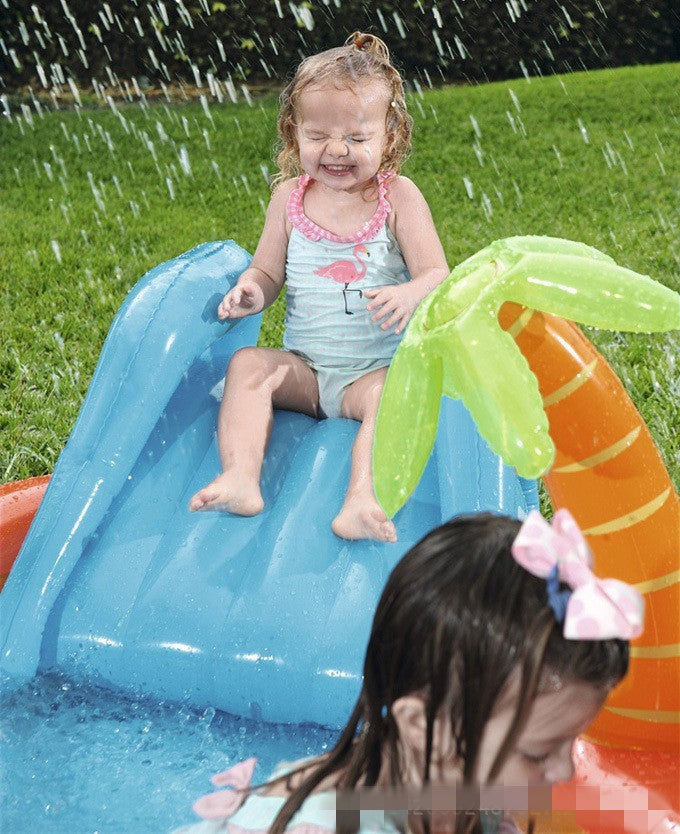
(595, 609)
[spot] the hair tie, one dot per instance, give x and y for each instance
(594, 609)
(557, 600)
(359, 42)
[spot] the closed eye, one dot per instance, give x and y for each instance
(534, 758)
(319, 137)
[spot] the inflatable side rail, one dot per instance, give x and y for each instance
(132, 369)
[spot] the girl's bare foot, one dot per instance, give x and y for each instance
(361, 517)
(228, 494)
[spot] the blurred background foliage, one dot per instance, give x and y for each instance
(221, 44)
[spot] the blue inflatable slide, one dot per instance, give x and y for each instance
(266, 616)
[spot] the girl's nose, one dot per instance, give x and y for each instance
(337, 147)
(561, 768)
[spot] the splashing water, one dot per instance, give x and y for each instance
(81, 758)
(184, 160)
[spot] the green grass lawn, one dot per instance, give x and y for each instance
(90, 200)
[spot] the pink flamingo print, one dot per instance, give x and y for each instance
(345, 272)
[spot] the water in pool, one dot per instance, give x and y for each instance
(79, 758)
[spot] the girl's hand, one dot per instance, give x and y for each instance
(244, 299)
(397, 302)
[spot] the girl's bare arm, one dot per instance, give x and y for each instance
(412, 225)
(416, 234)
(259, 284)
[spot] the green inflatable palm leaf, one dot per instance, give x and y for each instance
(608, 296)
(411, 402)
(499, 390)
(454, 345)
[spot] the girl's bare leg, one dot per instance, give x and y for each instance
(361, 517)
(257, 380)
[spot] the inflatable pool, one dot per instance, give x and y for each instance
(263, 617)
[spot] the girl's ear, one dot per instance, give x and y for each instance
(410, 717)
(408, 713)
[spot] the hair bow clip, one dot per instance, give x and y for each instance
(594, 609)
(221, 804)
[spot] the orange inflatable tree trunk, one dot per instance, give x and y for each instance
(609, 473)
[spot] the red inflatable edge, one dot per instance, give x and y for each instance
(19, 502)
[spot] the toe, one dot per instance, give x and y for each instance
(202, 499)
(195, 503)
(388, 532)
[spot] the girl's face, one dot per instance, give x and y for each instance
(341, 134)
(543, 752)
(541, 755)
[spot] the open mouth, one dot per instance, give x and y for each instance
(337, 170)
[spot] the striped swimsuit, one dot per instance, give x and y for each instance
(326, 321)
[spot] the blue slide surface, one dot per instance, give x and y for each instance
(266, 616)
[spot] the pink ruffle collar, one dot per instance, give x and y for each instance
(313, 231)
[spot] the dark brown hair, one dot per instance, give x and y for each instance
(362, 59)
(457, 616)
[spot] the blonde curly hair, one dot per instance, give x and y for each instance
(362, 59)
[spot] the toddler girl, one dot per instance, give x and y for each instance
(478, 670)
(357, 248)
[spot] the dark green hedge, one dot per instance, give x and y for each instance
(263, 41)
